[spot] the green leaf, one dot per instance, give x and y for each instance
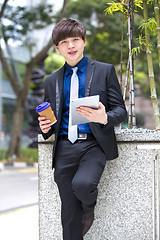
(151, 24)
(135, 51)
(139, 4)
(115, 7)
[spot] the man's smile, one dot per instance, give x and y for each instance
(72, 52)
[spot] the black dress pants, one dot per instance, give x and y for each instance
(78, 168)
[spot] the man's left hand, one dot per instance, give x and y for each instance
(94, 115)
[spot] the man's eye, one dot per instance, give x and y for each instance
(63, 42)
(75, 39)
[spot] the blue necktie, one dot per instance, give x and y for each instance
(72, 129)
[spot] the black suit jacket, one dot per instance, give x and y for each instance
(101, 80)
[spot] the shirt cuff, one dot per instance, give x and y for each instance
(105, 121)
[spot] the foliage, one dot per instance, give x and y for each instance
(103, 31)
(121, 6)
(151, 24)
(116, 7)
(39, 20)
(29, 153)
(139, 76)
(139, 38)
(20, 21)
(53, 62)
(26, 154)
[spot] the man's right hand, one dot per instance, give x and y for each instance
(44, 124)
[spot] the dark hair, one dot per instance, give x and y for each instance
(67, 28)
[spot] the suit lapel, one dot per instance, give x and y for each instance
(59, 90)
(59, 84)
(89, 76)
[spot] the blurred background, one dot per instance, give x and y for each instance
(27, 56)
(25, 29)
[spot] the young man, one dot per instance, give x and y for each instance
(79, 163)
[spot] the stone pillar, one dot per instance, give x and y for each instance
(128, 201)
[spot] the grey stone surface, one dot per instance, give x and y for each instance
(49, 202)
(138, 134)
(128, 201)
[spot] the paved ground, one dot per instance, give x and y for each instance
(18, 188)
(21, 224)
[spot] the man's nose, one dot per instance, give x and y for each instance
(70, 44)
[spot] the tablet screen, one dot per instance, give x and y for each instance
(90, 101)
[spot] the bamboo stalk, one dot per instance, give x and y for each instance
(122, 37)
(131, 117)
(130, 65)
(121, 71)
(126, 81)
(150, 70)
(157, 13)
(132, 46)
(125, 88)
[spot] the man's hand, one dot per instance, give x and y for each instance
(94, 115)
(44, 124)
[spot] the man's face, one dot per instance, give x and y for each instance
(71, 49)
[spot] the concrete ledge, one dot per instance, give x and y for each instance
(128, 201)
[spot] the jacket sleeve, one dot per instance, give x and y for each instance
(46, 99)
(116, 110)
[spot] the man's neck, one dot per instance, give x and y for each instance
(74, 63)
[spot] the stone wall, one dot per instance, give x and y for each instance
(128, 201)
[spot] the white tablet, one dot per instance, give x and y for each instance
(91, 101)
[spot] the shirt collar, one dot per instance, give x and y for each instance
(81, 65)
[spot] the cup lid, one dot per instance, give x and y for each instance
(42, 106)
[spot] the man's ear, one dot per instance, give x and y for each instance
(85, 41)
(56, 47)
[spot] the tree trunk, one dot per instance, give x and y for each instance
(150, 70)
(2, 9)
(16, 127)
(21, 91)
(64, 8)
